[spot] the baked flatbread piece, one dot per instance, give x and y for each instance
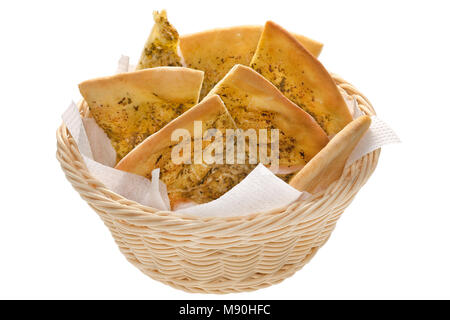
(217, 51)
(254, 103)
(131, 106)
(328, 164)
(188, 183)
(286, 63)
(161, 48)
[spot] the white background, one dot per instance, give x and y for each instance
(393, 240)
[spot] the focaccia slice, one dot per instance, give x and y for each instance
(188, 183)
(254, 103)
(131, 106)
(328, 164)
(162, 46)
(286, 63)
(217, 51)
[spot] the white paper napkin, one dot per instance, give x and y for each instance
(260, 191)
(149, 193)
(379, 134)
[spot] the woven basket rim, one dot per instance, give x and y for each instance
(152, 215)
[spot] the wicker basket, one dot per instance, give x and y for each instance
(219, 255)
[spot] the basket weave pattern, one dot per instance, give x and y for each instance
(217, 254)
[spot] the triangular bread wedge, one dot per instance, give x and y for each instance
(188, 183)
(328, 164)
(254, 103)
(217, 51)
(286, 63)
(162, 46)
(131, 106)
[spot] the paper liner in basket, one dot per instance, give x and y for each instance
(260, 191)
(99, 163)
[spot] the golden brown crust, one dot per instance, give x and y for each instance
(161, 48)
(169, 83)
(131, 106)
(254, 103)
(188, 182)
(138, 161)
(328, 164)
(285, 62)
(217, 51)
